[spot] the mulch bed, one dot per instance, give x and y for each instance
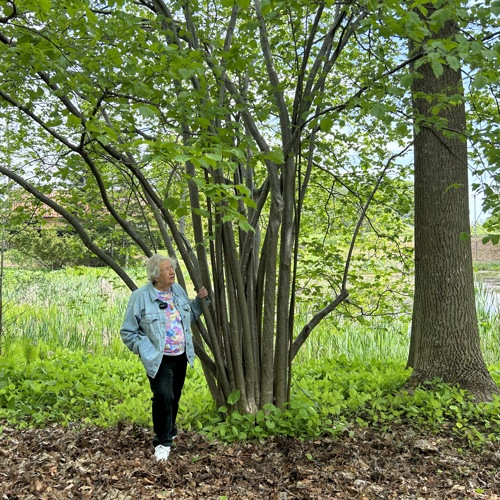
(117, 463)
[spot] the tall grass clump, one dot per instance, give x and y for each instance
(488, 314)
(72, 308)
(379, 339)
(487, 267)
(82, 308)
(375, 340)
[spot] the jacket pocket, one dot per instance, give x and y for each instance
(147, 351)
(150, 325)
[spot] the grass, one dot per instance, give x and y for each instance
(487, 267)
(380, 339)
(72, 308)
(377, 340)
(83, 309)
(488, 313)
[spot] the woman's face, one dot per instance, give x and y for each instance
(167, 276)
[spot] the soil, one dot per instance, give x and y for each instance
(117, 463)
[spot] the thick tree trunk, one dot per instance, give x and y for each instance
(445, 337)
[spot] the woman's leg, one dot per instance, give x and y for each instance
(162, 401)
(179, 378)
(167, 389)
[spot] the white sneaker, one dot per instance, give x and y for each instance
(162, 452)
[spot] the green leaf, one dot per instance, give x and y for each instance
(92, 18)
(45, 5)
(234, 397)
(378, 110)
(326, 124)
(182, 211)
(394, 28)
(185, 73)
(171, 203)
(453, 62)
(146, 111)
(407, 80)
(275, 156)
(202, 212)
(214, 156)
(182, 158)
(403, 129)
(73, 121)
(203, 122)
(437, 68)
(245, 225)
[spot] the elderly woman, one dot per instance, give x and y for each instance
(157, 327)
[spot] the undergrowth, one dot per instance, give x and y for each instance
(330, 397)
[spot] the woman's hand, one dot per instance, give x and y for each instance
(202, 293)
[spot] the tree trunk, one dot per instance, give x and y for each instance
(445, 336)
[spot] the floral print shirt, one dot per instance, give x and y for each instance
(175, 342)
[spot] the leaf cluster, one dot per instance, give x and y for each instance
(237, 115)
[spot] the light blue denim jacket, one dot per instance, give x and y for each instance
(144, 327)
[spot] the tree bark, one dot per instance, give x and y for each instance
(445, 336)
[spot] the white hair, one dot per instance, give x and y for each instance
(153, 266)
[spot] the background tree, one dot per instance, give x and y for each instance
(445, 336)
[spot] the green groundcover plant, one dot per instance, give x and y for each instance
(331, 396)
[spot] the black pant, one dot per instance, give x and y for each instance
(167, 389)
